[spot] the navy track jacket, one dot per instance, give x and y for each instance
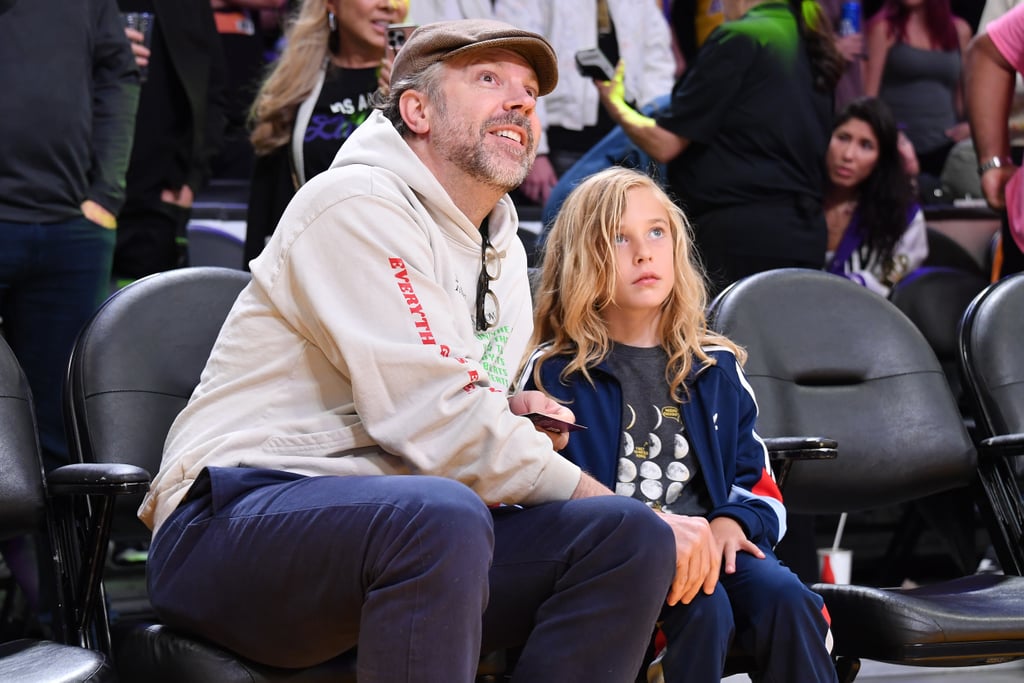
(720, 417)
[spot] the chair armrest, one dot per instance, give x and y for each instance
(1002, 446)
(783, 451)
(108, 479)
(82, 498)
(801, 448)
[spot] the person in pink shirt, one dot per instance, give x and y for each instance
(993, 59)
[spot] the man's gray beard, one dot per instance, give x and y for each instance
(473, 158)
(482, 165)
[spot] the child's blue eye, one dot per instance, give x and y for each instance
(620, 238)
(658, 232)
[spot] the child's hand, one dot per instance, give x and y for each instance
(730, 539)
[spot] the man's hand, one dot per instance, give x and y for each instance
(541, 178)
(993, 185)
(182, 197)
(908, 155)
(526, 402)
(698, 561)
(958, 132)
(98, 215)
(139, 49)
(851, 47)
(730, 540)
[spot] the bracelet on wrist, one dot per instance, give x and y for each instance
(995, 162)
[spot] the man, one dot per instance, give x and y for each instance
(329, 482)
(993, 59)
(70, 90)
(66, 117)
(179, 131)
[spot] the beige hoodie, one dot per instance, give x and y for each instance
(353, 350)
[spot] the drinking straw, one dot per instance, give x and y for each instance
(839, 531)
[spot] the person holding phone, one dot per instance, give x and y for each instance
(336, 56)
(745, 135)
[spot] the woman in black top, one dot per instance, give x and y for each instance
(319, 91)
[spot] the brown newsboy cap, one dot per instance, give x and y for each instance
(443, 40)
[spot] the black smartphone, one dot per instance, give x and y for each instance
(592, 63)
(398, 34)
(553, 424)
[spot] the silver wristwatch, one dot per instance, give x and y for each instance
(994, 162)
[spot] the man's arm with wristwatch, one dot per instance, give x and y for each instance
(989, 80)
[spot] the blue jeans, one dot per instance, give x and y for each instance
(53, 276)
(614, 149)
(291, 571)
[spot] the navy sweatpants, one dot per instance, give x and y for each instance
(290, 570)
(771, 614)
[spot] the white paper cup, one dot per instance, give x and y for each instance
(835, 566)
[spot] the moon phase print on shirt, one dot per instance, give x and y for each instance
(648, 470)
(656, 463)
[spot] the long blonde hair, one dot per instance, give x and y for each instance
(578, 275)
(292, 77)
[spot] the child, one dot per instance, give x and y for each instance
(670, 420)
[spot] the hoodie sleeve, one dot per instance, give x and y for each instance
(754, 499)
(366, 282)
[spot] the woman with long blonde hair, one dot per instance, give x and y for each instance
(318, 91)
(671, 421)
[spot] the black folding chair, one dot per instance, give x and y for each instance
(829, 357)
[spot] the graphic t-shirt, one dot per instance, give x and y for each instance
(656, 464)
(344, 103)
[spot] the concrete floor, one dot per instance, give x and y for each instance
(879, 672)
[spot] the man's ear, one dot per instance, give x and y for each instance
(413, 106)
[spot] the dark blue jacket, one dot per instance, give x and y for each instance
(719, 416)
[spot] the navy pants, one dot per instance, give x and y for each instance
(53, 276)
(290, 571)
(771, 614)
